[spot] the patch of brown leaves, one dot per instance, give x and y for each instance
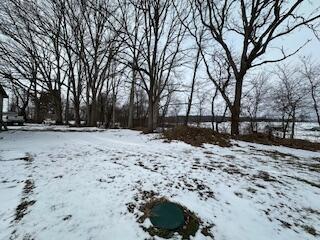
(196, 136)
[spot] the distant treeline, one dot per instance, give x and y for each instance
(208, 118)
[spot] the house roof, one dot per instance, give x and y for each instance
(3, 92)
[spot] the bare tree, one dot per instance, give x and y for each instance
(257, 25)
(311, 73)
(194, 76)
(19, 61)
(169, 102)
(202, 100)
(65, 50)
(258, 90)
(100, 49)
(157, 52)
(289, 96)
(132, 38)
(73, 42)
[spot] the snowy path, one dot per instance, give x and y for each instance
(89, 185)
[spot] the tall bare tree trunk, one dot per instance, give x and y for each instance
(213, 118)
(113, 109)
(36, 102)
(77, 113)
(315, 105)
(58, 107)
(293, 123)
(192, 87)
(150, 114)
(66, 114)
(156, 113)
(88, 108)
(131, 100)
(93, 113)
(236, 108)
(235, 120)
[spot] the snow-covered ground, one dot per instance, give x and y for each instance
(304, 131)
(89, 185)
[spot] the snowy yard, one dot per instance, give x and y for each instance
(89, 185)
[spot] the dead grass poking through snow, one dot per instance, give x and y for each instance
(270, 140)
(199, 136)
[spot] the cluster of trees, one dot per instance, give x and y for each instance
(84, 59)
(288, 92)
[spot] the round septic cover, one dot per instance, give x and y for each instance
(167, 215)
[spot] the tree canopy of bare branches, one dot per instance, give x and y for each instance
(256, 25)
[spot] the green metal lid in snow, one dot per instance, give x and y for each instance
(167, 216)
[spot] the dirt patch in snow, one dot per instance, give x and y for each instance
(22, 208)
(271, 140)
(198, 186)
(199, 136)
(276, 154)
(265, 176)
(28, 187)
(313, 184)
(196, 136)
(311, 230)
(26, 200)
